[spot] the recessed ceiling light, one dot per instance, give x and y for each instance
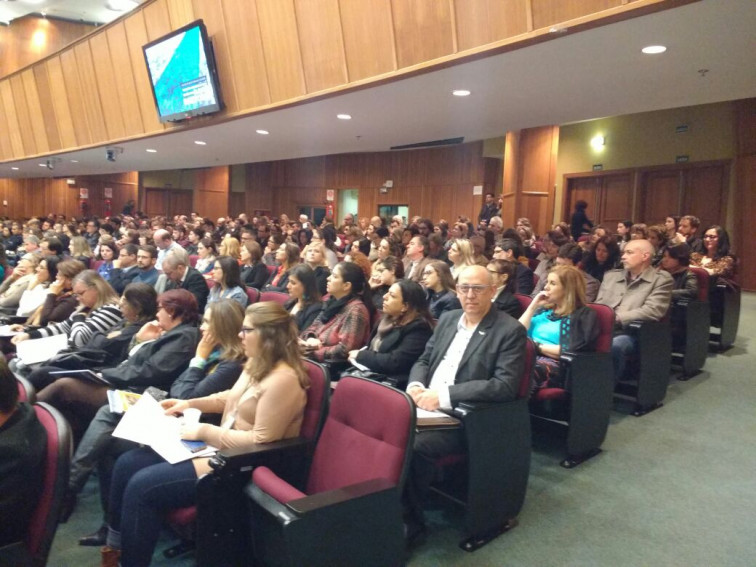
(42, 165)
(263, 132)
(74, 161)
(200, 143)
(14, 168)
(461, 92)
(654, 49)
(150, 150)
(121, 5)
(343, 117)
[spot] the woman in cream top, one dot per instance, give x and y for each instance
(266, 404)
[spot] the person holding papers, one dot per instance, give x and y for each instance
(266, 404)
(215, 367)
(97, 311)
(401, 334)
(162, 350)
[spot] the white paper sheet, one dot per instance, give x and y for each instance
(40, 350)
(146, 423)
(5, 331)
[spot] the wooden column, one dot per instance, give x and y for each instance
(529, 174)
(211, 194)
(745, 191)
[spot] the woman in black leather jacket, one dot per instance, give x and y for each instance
(440, 288)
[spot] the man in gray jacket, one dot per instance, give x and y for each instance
(636, 293)
(476, 354)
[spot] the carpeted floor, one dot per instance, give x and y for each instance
(674, 488)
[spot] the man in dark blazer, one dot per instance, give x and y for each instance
(181, 275)
(126, 269)
(476, 354)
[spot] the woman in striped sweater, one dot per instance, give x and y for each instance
(98, 310)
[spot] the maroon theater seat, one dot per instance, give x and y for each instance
(253, 295)
(277, 296)
(349, 511)
(35, 548)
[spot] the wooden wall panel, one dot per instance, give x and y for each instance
(128, 98)
(35, 111)
(76, 102)
(180, 13)
(215, 22)
(550, 12)
(324, 59)
(136, 34)
(535, 143)
(105, 85)
(278, 29)
(30, 38)
(14, 130)
(156, 19)
(423, 30)
(47, 108)
(22, 114)
(368, 37)
(211, 194)
(6, 150)
(484, 21)
(60, 104)
(90, 93)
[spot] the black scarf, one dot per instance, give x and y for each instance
(333, 307)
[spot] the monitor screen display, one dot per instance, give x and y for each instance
(182, 72)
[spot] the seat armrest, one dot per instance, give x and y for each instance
(243, 459)
(352, 492)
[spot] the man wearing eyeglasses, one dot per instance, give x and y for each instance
(476, 354)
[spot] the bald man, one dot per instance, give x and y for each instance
(636, 293)
(476, 354)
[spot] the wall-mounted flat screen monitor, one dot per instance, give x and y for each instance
(183, 75)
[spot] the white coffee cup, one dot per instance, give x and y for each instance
(192, 416)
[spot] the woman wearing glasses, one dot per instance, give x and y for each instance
(557, 319)
(717, 260)
(266, 404)
(439, 288)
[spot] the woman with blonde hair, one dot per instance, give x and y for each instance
(229, 246)
(315, 257)
(266, 404)
(98, 310)
(461, 255)
(81, 251)
(558, 319)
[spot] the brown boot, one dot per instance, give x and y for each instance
(110, 556)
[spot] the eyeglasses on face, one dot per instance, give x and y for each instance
(464, 289)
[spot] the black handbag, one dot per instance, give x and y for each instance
(80, 359)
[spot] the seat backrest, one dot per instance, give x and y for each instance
(533, 263)
(44, 521)
(253, 295)
(277, 296)
(271, 269)
(524, 300)
(526, 379)
(26, 392)
(368, 434)
(703, 283)
(193, 260)
(95, 265)
(317, 400)
(605, 316)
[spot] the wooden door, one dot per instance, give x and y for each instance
(616, 200)
(705, 194)
(180, 202)
(584, 189)
(155, 202)
(660, 193)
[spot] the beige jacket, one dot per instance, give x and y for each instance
(646, 298)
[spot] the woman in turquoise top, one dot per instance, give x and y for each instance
(558, 319)
(228, 283)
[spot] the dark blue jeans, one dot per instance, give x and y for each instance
(143, 487)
